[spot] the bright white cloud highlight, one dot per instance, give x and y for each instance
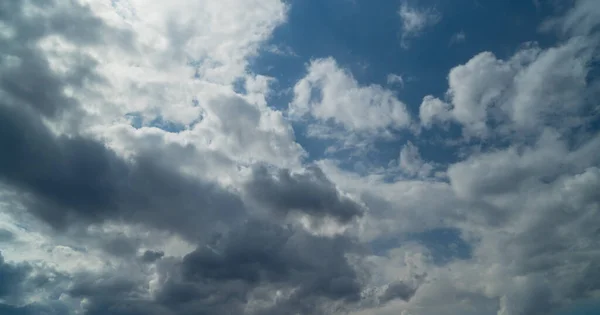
(330, 94)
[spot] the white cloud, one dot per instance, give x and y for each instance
(397, 208)
(581, 19)
(186, 57)
(220, 35)
(433, 110)
(554, 86)
(331, 94)
(533, 89)
(475, 86)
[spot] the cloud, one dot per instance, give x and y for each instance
(25, 65)
(87, 179)
(79, 179)
(309, 192)
(433, 110)
(520, 201)
(410, 161)
(487, 90)
(330, 95)
(13, 278)
(395, 79)
(581, 19)
(193, 31)
(32, 309)
(6, 236)
(458, 38)
(22, 280)
(258, 268)
(151, 256)
(397, 290)
(415, 21)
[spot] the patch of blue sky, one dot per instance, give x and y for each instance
(137, 121)
(444, 244)
(239, 85)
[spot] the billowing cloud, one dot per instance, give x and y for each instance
(329, 94)
(533, 89)
(64, 179)
(70, 170)
(433, 110)
(259, 268)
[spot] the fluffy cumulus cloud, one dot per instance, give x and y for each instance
(533, 89)
(334, 103)
(149, 166)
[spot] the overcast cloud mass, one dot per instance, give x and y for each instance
(267, 157)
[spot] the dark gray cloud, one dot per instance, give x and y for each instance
(104, 286)
(122, 292)
(68, 179)
(231, 273)
(259, 255)
(398, 290)
(151, 256)
(310, 192)
(18, 281)
(12, 278)
(35, 309)
(133, 307)
(6, 236)
(120, 245)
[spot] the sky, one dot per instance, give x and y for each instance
(262, 157)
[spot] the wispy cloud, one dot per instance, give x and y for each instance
(458, 38)
(395, 79)
(415, 20)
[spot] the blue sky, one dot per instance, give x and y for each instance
(260, 157)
